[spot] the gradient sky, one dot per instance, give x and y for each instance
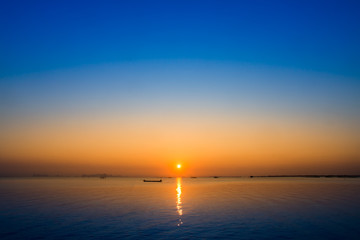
(222, 87)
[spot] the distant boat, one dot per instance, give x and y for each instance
(152, 180)
(216, 177)
(193, 177)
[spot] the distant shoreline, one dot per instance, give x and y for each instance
(253, 176)
(312, 176)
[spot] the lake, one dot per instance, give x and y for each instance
(180, 208)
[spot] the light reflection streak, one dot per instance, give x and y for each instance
(178, 200)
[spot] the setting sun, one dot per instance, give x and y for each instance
(178, 166)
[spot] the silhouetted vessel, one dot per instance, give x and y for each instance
(152, 180)
(216, 177)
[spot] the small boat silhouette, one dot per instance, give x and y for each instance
(152, 180)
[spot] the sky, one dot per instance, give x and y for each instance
(134, 88)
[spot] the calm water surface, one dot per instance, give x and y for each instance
(187, 208)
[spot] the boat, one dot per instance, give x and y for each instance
(152, 180)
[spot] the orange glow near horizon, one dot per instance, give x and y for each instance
(211, 144)
(144, 119)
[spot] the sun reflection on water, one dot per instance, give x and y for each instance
(178, 200)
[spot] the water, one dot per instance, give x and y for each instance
(187, 208)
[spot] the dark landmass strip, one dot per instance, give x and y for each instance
(104, 175)
(260, 176)
(101, 175)
(313, 176)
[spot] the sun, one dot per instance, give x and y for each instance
(178, 166)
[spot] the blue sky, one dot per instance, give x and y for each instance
(298, 56)
(321, 36)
